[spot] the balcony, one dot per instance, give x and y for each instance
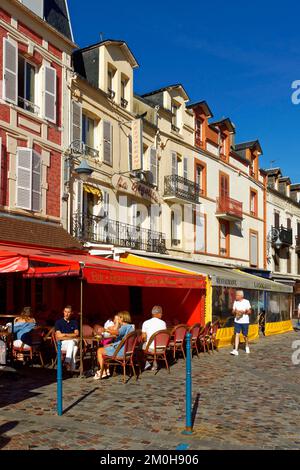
(297, 244)
(111, 93)
(178, 189)
(175, 128)
(89, 228)
(229, 209)
(285, 235)
(90, 151)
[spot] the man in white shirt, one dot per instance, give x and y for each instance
(150, 327)
(241, 310)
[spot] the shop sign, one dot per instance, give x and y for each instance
(135, 188)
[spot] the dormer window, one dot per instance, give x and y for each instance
(175, 119)
(110, 82)
(198, 132)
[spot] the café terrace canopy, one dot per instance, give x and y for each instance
(39, 263)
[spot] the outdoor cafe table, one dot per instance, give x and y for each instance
(96, 343)
(9, 337)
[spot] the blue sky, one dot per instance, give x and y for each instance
(241, 57)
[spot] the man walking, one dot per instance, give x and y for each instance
(67, 332)
(241, 310)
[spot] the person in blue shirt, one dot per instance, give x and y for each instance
(67, 331)
(125, 327)
(23, 326)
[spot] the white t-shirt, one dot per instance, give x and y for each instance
(242, 306)
(152, 326)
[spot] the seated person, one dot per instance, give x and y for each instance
(67, 331)
(23, 325)
(150, 327)
(121, 329)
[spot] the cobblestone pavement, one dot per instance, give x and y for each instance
(246, 402)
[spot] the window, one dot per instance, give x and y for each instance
(224, 238)
(198, 132)
(288, 223)
(175, 162)
(185, 168)
(224, 186)
(88, 131)
(124, 82)
(26, 85)
(28, 179)
(288, 261)
(253, 203)
(107, 142)
(175, 228)
(276, 219)
(200, 177)
(110, 82)
(174, 110)
(253, 249)
(224, 146)
(37, 6)
(200, 232)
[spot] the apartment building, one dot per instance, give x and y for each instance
(283, 225)
(36, 43)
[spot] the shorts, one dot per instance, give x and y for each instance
(241, 328)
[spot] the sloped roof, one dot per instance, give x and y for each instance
(19, 229)
(56, 13)
(168, 88)
(116, 42)
(249, 145)
(203, 104)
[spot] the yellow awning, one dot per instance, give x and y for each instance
(90, 189)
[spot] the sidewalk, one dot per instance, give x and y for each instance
(245, 402)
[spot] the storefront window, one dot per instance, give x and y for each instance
(223, 299)
(278, 307)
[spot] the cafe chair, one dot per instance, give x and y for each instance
(25, 352)
(195, 331)
(177, 338)
(204, 337)
(127, 359)
(159, 343)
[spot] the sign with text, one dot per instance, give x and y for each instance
(137, 144)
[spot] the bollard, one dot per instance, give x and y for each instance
(188, 387)
(59, 381)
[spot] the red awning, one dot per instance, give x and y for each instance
(95, 270)
(53, 271)
(11, 262)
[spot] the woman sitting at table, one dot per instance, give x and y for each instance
(23, 325)
(120, 330)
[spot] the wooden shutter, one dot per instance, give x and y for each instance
(36, 182)
(107, 142)
(288, 223)
(10, 70)
(153, 164)
(253, 249)
(130, 153)
(50, 94)
(185, 167)
(224, 186)
(76, 126)
(24, 178)
(276, 219)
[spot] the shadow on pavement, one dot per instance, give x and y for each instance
(5, 428)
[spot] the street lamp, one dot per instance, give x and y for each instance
(273, 238)
(84, 171)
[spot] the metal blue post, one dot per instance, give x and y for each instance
(59, 381)
(188, 387)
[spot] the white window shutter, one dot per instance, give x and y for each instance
(106, 203)
(130, 153)
(36, 182)
(153, 164)
(134, 214)
(107, 142)
(200, 232)
(24, 178)
(76, 122)
(10, 70)
(254, 249)
(50, 94)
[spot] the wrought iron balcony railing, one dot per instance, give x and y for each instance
(229, 207)
(28, 105)
(285, 235)
(90, 151)
(111, 93)
(182, 188)
(90, 228)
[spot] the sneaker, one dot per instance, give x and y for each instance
(147, 365)
(247, 349)
(234, 352)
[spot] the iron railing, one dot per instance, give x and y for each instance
(182, 188)
(229, 206)
(28, 105)
(124, 103)
(90, 228)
